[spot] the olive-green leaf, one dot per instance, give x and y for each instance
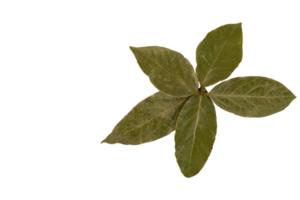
(195, 134)
(252, 96)
(219, 54)
(168, 70)
(149, 120)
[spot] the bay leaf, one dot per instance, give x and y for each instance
(149, 120)
(219, 54)
(252, 96)
(168, 70)
(195, 134)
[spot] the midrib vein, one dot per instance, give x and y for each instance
(150, 119)
(170, 74)
(217, 57)
(194, 134)
(265, 97)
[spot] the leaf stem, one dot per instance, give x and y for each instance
(206, 93)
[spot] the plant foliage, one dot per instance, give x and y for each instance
(180, 105)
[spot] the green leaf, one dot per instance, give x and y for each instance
(168, 70)
(149, 120)
(219, 53)
(252, 96)
(195, 134)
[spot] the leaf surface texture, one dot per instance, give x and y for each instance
(149, 120)
(219, 54)
(168, 70)
(195, 134)
(252, 96)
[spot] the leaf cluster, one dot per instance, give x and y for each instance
(183, 106)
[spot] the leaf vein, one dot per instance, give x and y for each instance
(194, 134)
(170, 74)
(218, 56)
(150, 119)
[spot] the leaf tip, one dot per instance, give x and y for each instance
(128, 46)
(101, 142)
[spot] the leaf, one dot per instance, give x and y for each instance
(252, 96)
(168, 70)
(149, 120)
(195, 134)
(219, 54)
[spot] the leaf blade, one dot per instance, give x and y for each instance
(219, 54)
(149, 120)
(252, 96)
(168, 70)
(195, 136)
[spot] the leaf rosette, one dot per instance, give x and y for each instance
(181, 106)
